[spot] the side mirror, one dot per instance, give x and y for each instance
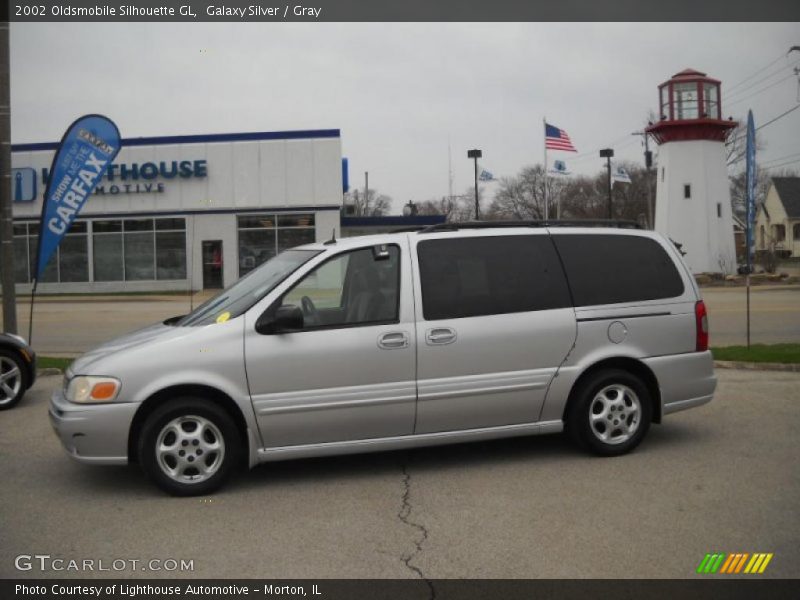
(285, 319)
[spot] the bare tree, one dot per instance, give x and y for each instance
(522, 196)
(370, 205)
(736, 144)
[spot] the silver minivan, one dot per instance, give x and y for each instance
(455, 333)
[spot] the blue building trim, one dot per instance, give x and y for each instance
(183, 213)
(201, 139)
(416, 221)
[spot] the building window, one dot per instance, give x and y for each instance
(170, 248)
(761, 238)
(687, 190)
(107, 246)
(263, 236)
(780, 233)
(69, 263)
(796, 232)
(139, 249)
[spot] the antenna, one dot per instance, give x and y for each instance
(333, 238)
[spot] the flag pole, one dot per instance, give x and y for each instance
(544, 132)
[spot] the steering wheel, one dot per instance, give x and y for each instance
(310, 313)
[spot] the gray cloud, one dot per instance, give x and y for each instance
(397, 91)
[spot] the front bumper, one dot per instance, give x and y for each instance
(92, 433)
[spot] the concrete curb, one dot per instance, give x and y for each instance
(755, 366)
(48, 371)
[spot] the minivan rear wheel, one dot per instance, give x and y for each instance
(12, 380)
(189, 446)
(611, 412)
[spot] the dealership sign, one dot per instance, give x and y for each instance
(138, 178)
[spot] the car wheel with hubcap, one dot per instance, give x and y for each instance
(12, 380)
(189, 446)
(610, 412)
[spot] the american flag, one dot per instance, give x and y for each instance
(557, 139)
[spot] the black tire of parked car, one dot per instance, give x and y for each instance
(578, 423)
(7, 403)
(188, 406)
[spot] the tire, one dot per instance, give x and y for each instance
(12, 379)
(206, 435)
(610, 413)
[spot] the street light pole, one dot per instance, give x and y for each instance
(608, 153)
(6, 229)
(476, 154)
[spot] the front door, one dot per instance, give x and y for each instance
(494, 323)
(212, 265)
(349, 373)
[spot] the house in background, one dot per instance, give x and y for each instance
(778, 218)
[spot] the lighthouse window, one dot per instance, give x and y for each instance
(687, 190)
(719, 209)
(686, 100)
(710, 101)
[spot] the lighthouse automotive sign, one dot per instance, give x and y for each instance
(83, 156)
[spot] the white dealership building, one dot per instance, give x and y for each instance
(180, 211)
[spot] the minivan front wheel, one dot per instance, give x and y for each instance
(611, 412)
(189, 446)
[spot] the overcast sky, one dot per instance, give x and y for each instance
(399, 91)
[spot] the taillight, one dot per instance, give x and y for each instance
(701, 320)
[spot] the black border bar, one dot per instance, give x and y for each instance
(730, 588)
(276, 11)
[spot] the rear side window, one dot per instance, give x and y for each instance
(470, 277)
(607, 269)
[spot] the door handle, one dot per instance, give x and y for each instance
(440, 336)
(392, 340)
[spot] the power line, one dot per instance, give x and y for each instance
(764, 89)
(761, 70)
(780, 158)
(772, 167)
(780, 116)
(753, 84)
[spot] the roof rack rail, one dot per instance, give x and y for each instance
(619, 223)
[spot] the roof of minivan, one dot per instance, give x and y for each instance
(382, 238)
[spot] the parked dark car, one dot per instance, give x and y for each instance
(17, 369)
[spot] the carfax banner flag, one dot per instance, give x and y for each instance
(87, 149)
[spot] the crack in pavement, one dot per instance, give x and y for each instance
(404, 515)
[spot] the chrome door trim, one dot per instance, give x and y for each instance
(335, 398)
(407, 441)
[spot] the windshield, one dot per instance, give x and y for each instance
(248, 290)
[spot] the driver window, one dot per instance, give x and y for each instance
(353, 288)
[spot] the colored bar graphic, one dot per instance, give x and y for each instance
(735, 562)
(727, 564)
(717, 563)
(766, 562)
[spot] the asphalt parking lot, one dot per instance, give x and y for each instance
(721, 478)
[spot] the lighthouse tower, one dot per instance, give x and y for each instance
(693, 204)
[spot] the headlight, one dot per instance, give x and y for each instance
(85, 389)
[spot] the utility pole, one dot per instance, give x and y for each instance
(366, 194)
(648, 165)
(608, 153)
(476, 154)
(6, 227)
